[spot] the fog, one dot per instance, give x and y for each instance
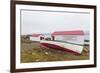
(48, 22)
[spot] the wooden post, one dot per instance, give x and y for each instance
(53, 38)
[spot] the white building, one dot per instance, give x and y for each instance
(38, 37)
(76, 37)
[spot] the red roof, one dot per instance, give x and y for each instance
(36, 35)
(76, 32)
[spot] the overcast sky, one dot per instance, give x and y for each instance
(46, 22)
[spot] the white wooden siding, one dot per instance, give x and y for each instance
(78, 39)
(35, 38)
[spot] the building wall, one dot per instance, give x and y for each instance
(47, 36)
(35, 38)
(38, 38)
(78, 39)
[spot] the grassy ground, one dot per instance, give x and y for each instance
(34, 52)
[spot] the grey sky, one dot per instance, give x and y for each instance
(45, 22)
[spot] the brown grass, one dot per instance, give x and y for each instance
(34, 52)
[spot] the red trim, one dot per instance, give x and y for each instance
(36, 35)
(52, 46)
(77, 32)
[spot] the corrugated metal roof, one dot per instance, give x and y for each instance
(76, 32)
(35, 35)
